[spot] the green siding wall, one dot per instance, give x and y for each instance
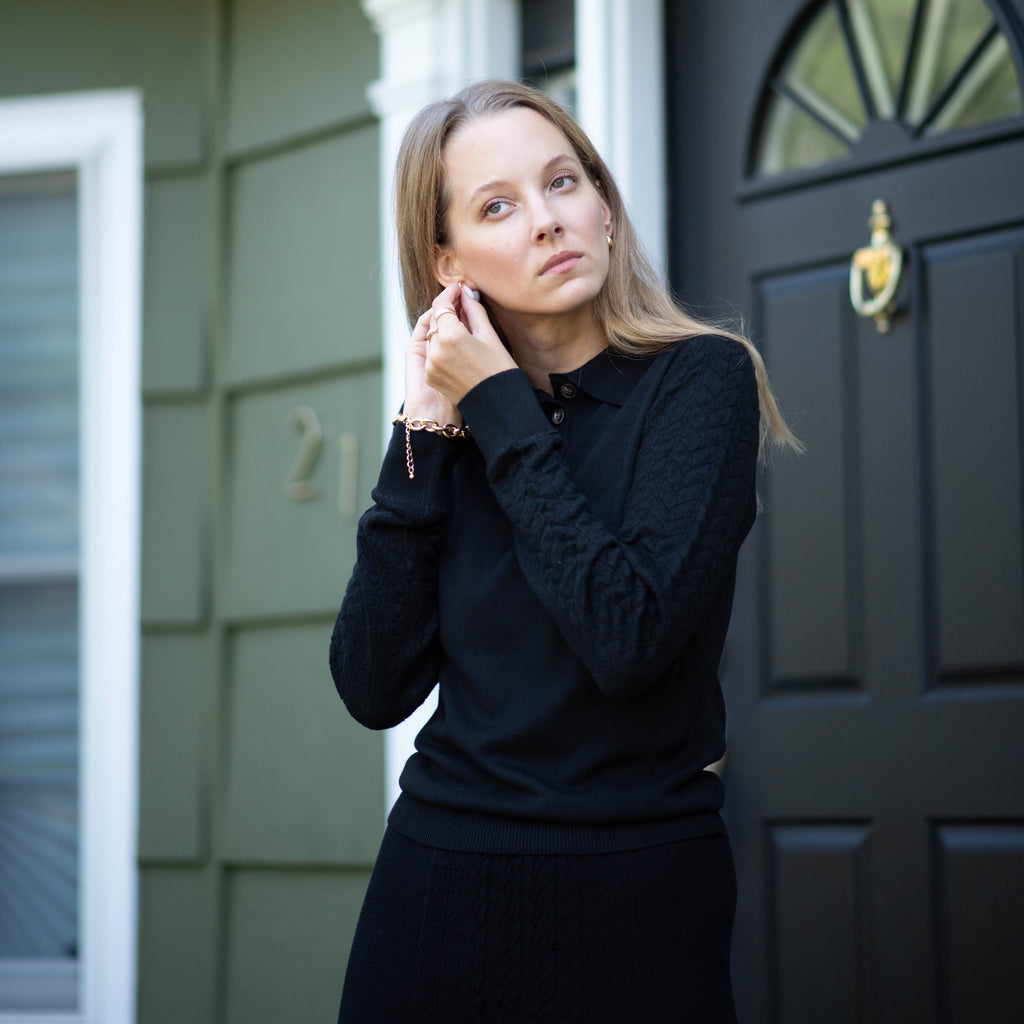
(174, 711)
(261, 802)
(179, 956)
(296, 67)
(177, 268)
(281, 555)
(304, 273)
(53, 46)
(176, 511)
(267, 979)
(299, 788)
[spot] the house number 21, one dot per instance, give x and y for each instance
(299, 485)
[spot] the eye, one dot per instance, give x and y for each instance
(563, 181)
(495, 208)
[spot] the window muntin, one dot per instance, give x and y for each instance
(929, 66)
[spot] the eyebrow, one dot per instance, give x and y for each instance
(498, 183)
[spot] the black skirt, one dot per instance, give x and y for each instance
(639, 937)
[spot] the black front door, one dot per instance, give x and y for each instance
(875, 669)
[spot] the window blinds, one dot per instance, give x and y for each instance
(39, 871)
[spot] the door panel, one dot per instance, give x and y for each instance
(893, 561)
(875, 664)
(974, 397)
(814, 606)
(820, 965)
(980, 891)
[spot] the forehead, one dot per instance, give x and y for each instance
(502, 145)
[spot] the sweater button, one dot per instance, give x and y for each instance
(568, 390)
(557, 416)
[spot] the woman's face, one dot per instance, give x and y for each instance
(526, 226)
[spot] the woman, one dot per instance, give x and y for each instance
(554, 540)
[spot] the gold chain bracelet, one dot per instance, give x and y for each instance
(431, 427)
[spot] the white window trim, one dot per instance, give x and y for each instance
(429, 48)
(99, 135)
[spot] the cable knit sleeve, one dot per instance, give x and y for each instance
(628, 601)
(384, 651)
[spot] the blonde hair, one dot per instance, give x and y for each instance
(633, 307)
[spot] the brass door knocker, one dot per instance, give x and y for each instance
(881, 264)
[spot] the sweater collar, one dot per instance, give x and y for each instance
(609, 376)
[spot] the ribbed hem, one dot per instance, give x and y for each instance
(447, 829)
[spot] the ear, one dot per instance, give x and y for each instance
(447, 268)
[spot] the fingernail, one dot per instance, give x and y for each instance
(471, 292)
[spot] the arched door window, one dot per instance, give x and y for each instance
(876, 77)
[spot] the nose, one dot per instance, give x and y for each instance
(546, 224)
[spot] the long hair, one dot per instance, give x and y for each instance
(634, 307)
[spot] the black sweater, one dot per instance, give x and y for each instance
(567, 576)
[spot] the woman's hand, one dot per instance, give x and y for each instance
(464, 348)
(422, 402)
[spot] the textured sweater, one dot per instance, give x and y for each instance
(566, 575)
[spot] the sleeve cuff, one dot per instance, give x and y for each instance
(502, 412)
(427, 495)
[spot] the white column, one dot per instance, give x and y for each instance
(621, 106)
(428, 49)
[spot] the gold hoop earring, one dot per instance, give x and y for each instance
(610, 242)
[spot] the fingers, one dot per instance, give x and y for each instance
(474, 313)
(454, 299)
(457, 309)
(419, 332)
(446, 303)
(427, 325)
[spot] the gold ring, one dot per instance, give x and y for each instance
(430, 334)
(447, 310)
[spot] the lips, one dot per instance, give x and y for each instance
(561, 262)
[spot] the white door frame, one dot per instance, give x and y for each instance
(99, 136)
